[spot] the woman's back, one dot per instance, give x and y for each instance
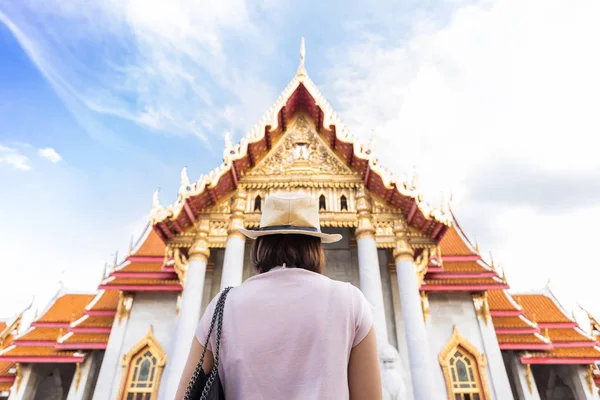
(288, 334)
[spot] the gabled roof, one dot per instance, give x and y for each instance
(300, 94)
(543, 307)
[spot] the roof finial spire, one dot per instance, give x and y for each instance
(302, 69)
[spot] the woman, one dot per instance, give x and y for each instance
(289, 332)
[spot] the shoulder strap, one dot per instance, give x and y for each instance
(218, 319)
(218, 315)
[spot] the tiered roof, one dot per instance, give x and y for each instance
(301, 94)
(8, 329)
(38, 342)
(461, 268)
(570, 344)
(144, 269)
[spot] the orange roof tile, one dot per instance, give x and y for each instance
(468, 266)
(87, 338)
(5, 386)
(152, 245)
(141, 281)
(105, 300)
(5, 367)
(451, 282)
(510, 322)
(94, 322)
(452, 244)
(36, 351)
(567, 335)
(43, 334)
(530, 339)
(500, 300)
(542, 307)
(142, 267)
(575, 352)
(66, 308)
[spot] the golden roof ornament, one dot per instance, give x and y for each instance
(155, 202)
(414, 182)
(185, 180)
(371, 147)
(301, 68)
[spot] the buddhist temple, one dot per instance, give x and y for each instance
(448, 325)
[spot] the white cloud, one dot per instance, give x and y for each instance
(50, 154)
(500, 79)
(14, 158)
(159, 65)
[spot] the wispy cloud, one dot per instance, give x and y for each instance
(50, 154)
(163, 66)
(487, 81)
(14, 158)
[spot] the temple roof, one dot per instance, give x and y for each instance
(65, 308)
(105, 300)
(543, 307)
(300, 94)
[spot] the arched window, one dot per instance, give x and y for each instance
(343, 203)
(464, 370)
(322, 205)
(140, 383)
(257, 203)
(142, 369)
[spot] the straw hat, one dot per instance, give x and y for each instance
(290, 213)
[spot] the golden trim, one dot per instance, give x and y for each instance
(124, 306)
(482, 307)
(155, 348)
(590, 378)
(19, 377)
(77, 376)
(425, 306)
(528, 378)
(200, 249)
(457, 340)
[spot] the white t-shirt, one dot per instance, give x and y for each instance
(287, 334)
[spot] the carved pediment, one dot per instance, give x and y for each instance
(301, 152)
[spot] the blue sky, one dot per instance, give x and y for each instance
(101, 103)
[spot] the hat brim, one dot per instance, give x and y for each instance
(325, 237)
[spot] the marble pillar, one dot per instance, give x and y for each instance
(111, 363)
(84, 380)
(414, 324)
(25, 386)
(370, 286)
(233, 263)
(189, 312)
(522, 378)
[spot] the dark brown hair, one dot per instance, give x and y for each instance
(295, 251)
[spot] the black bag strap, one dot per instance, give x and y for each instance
(218, 319)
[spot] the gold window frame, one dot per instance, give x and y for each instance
(456, 341)
(149, 342)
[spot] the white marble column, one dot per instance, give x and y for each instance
(581, 381)
(83, 381)
(522, 378)
(233, 261)
(111, 363)
(370, 286)
(189, 312)
(498, 376)
(414, 324)
(27, 384)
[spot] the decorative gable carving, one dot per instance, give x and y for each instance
(301, 152)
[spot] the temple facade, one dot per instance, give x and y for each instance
(447, 324)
